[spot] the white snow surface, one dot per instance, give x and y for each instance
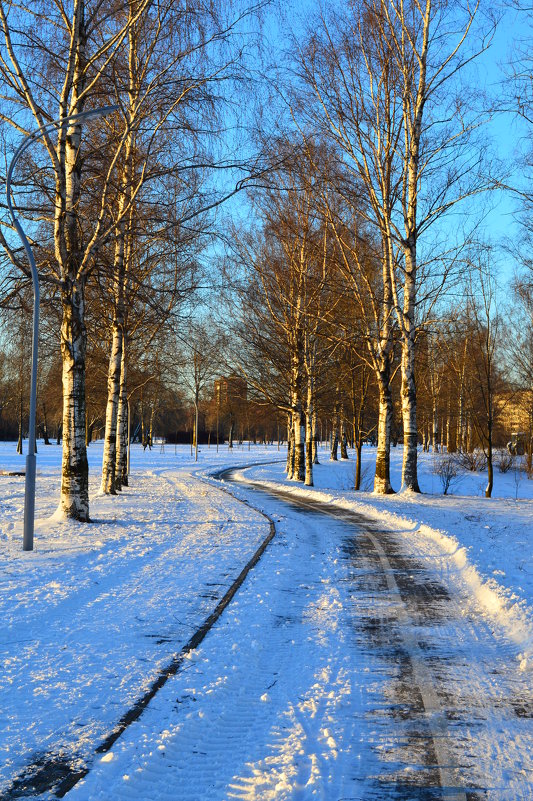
(281, 700)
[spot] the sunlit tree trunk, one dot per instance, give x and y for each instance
(382, 484)
(75, 468)
(121, 467)
(113, 392)
(309, 434)
(315, 439)
(435, 427)
(334, 447)
(290, 450)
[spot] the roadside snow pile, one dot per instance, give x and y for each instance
(483, 543)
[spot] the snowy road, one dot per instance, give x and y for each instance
(342, 670)
(454, 711)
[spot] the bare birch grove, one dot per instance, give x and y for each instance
(378, 79)
(61, 88)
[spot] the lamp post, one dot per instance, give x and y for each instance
(29, 490)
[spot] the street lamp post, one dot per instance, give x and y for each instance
(29, 489)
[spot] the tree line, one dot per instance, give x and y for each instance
(358, 294)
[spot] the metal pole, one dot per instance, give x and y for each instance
(31, 462)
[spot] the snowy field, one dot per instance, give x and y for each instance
(95, 612)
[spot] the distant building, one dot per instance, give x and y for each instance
(516, 412)
(230, 390)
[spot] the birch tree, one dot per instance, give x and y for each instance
(484, 383)
(347, 74)
(288, 267)
(428, 42)
(378, 83)
(174, 63)
(41, 87)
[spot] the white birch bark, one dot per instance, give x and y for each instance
(298, 432)
(75, 469)
(113, 391)
(309, 433)
(290, 449)
(435, 428)
(315, 438)
(334, 446)
(382, 484)
(121, 467)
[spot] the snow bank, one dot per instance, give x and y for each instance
(445, 531)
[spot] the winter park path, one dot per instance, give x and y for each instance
(342, 669)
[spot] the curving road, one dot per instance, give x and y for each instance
(453, 699)
(341, 669)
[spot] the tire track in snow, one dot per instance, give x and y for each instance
(260, 708)
(58, 773)
(470, 689)
(449, 772)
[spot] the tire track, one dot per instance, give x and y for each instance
(435, 712)
(57, 773)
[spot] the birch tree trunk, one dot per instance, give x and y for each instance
(113, 393)
(333, 455)
(121, 468)
(448, 424)
(75, 468)
(298, 426)
(290, 449)
(309, 434)
(298, 422)
(460, 434)
(410, 431)
(435, 427)
(315, 439)
(413, 58)
(109, 460)
(151, 428)
(382, 485)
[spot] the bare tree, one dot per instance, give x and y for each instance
(169, 66)
(40, 88)
(289, 263)
(201, 354)
(381, 75)
(484, 382)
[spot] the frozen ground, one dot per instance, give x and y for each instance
(288, 697)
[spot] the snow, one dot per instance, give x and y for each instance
(284, 699)
(485, 542)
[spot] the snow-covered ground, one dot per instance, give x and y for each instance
(486, 542)
(279, 701)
